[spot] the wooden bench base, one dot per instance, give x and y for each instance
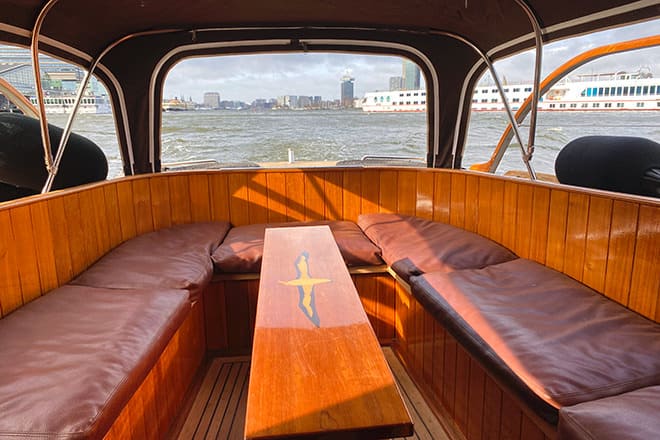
(231, 304)
(155, 404)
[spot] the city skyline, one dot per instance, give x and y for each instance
(250, 77)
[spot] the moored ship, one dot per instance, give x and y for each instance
(589, 92)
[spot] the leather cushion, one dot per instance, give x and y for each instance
(552, 340)
(243, 248)
(173, 258)
(72, 359)
(413, 246)
(631, 416)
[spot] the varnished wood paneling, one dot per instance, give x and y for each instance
(142, 206)
(161, 207)
(442, 197)
(425, 188)
(458, 200)
(219, 192)
(352, 195)
(26, 260)
(406, 192)
(61, 240)
(200, 202)
(645, 285)
(334, 202)
(258, 198)
(576, 234)
(497, 211)
(370, 184)
(180, 200)
(621, 251)
(591, 236)
(238, 198)
(557, 229)
(295, 196)
(539, 232)
(276, 197)
(510, 215)
(597, 243)
(524, 212)
(471, 203)
(387, 198)
(126, 209)
(314, 199)
(11, 297)
(45, 253)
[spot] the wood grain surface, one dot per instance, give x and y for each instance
(317, 367)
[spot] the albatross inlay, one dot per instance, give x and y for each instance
(305, 284)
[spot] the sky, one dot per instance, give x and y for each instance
(249, 77)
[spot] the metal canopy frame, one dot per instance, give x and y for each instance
(52, 163)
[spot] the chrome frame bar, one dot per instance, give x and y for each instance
(498, 84)
(52, 173)
(538, 60)
(34, 51)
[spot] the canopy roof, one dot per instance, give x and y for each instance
(90, 25)
(441, 35)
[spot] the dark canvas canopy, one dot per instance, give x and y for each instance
(79, 30)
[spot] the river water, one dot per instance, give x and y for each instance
(238, 136)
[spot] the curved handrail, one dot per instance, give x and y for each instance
(549, 81)
(17, 98)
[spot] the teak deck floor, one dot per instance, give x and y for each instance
(218, 409)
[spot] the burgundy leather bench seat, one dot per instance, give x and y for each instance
(73, 358)
(553, 341)
(243, 248)
(631, 416)
(173, 258)
(413, 246)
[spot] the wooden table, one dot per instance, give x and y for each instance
(317, 368)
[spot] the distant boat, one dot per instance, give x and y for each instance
(592, 92)
(177, 105)
(63, 103)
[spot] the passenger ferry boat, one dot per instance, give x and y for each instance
(618, 91)
(507, 308)
(63, 104)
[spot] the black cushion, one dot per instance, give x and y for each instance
(614, 163)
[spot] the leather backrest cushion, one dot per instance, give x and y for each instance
(175, 258)
(413, 245)
(243, 248)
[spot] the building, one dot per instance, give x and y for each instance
(347, 91)
(396, 83)
(57, 76)
(212, 100)
(411, 75)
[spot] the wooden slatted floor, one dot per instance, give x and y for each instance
(218, 409)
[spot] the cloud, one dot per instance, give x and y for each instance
(248, 77)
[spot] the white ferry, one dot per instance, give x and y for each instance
(597, 92)
(61, 104)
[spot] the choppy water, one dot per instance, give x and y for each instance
(232, 136)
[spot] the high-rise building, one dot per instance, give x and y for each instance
(411, 75)
(396, 83)
(347, 91)
(212, 100)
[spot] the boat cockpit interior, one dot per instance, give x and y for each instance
(332, 302)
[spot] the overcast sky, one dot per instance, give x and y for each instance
(249, 77)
